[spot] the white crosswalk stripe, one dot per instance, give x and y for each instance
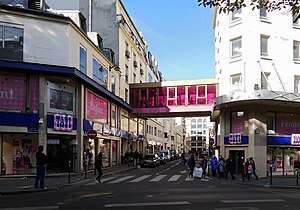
(189, 179)
(158, 178)
(174, 178)
(120, 180)
(140, 178)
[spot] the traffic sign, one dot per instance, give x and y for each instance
(91, 134)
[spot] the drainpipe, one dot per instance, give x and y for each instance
(90, 16)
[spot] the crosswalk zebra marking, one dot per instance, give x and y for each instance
(140, 178)
(158, 178)
(120, 180)
(189, 179)
(174, 178)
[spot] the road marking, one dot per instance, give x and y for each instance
(204, 180)
(252, 201)
(140, 178)
(189, 179)
(237, 208)
(108, 178)
(120, 180)
(158, 178)
(146, 204)
(32, 208)
(174, 178)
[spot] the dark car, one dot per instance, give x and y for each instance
(162, 158)
(151, 161)
(174, 154)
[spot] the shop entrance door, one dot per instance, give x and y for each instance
(238, 157)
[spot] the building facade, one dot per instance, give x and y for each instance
(257, 113)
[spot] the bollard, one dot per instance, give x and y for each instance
(69, 178)
(271, 172)
(297, 178)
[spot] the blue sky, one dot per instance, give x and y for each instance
(180, 36)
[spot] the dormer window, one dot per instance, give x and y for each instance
(82, 22)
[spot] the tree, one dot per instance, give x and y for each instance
(226, 6)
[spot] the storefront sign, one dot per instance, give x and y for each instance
(235, 138)
(295, 139)
(287, 123)
(97, 108)
(53, 141)
(32, 129)
(12, 92)
(63, 123)
(106, 129)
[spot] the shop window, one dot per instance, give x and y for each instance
(11, 43)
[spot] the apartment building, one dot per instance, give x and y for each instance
(257, 113)
(55, 86)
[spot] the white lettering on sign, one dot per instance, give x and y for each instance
(295, 139)
(235, 138)
(63, 123)
(7, 94)
(290, 124)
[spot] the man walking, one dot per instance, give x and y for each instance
(99, 167)
(191, 164)
(41, 160)
(229, 168)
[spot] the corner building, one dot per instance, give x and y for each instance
(257, 113)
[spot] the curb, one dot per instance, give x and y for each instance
(270, 186)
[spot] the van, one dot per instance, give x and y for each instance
(167, 154)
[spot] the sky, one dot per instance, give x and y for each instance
(179, 35)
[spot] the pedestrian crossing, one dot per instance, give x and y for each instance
(148, 178)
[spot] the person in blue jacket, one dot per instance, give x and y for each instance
(214, 165)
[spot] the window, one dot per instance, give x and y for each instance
(236, 15)
(11, 43)
(237, 122)
(126, 95)
(264, 45)
(263, 13)
(149, 77)
(99, 73)
(296, 20)
(236, 82)
(236, 47)
(82, 60)
(270, 122)
(264, 80)
(113, 84)
(296, 50)
(134, 78)
(113, 116)
(297, 84)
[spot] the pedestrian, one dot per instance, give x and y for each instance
(183, 160)
(131, 158)
(214, 165)
(221, 167)
(191, 164)
(204, 167)
(127, 157)
(229, 168)
(141, 157)
(41, 160)
(99, 167)
(250, 167)
(136, 157)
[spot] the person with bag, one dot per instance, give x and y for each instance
(229, 168)
(191, 163)
(250, 167)
(99, 167)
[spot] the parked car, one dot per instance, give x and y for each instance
(167, 154)
(162, 157)
(151, 161)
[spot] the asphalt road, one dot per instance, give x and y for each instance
(163, 187)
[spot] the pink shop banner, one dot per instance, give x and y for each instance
(97, 108)
(12, 92)
(287, 123)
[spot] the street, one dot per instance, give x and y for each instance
(163, 187)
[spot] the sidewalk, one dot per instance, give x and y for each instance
(15, 184)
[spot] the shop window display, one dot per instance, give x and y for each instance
(19, 153)
(283, 160)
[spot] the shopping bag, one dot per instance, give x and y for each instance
(198, 172)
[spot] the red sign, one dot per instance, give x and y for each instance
(92, 134)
